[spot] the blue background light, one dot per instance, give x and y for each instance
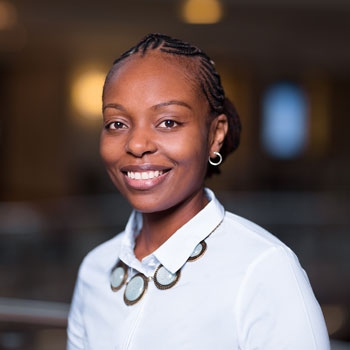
(284, 126)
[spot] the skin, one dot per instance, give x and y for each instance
(156, 120)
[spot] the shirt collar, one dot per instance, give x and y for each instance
(174, 253)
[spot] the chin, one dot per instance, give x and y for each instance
(148, 206)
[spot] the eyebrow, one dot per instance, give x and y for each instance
(113, 105)
(155, 107)
(171, 102)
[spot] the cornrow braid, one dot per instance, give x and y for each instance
(208, 78)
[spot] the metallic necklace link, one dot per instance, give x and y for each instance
(137, 285)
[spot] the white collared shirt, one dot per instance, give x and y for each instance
(246, 292)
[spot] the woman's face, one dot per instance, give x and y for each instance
(156, 139)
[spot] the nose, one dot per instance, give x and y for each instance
(140, 141)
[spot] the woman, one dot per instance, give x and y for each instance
(184, 274)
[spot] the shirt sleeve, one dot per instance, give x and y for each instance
(276, 306)
(75, 330)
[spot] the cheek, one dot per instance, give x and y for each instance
(190, 152)
(109, 150)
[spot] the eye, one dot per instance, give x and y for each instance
(168, 124)
(115, 126)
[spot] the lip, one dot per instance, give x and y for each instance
(143, 167)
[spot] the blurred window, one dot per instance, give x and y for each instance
(284, 120)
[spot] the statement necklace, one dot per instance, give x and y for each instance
(137, 285)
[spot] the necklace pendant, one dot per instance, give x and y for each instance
(164, 279)
(198, 251)
(118, 276)
(135, 289)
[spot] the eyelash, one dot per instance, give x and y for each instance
(163, 124)
(174, 124)
(113, 126)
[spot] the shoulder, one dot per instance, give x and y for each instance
(106, 247)
(246, 238)
(272, 284)
(254, 251)
(101, 258)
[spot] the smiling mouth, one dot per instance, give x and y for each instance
(144, 175)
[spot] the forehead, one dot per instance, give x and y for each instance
(157, 64)
(140, 82)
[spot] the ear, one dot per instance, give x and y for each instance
(218, 131)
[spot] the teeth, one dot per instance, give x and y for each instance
(144, 175)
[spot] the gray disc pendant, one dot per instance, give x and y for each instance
(135, 289)
(164, 279)
(198, 251)
(118, 276)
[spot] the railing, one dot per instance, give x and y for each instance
(34, 312)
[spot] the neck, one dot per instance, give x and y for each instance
(159, 227)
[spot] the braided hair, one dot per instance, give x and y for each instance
(203, 70)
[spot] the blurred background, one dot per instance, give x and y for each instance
(286, 66)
